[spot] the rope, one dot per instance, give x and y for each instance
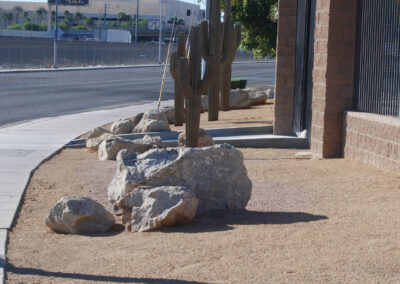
(171, 40)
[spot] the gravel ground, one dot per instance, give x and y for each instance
(326, 221)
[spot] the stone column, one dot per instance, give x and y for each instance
(285, 67)
(333, 74)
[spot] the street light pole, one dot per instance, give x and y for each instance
(159, 38)
(55, 38)
(137, 21)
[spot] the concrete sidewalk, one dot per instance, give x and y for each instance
(25, 146)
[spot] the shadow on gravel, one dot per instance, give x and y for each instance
(90, 277)
(222, 220)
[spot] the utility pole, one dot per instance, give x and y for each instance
(137, 21)
(105, 23)
(159, 38)
(55, 38)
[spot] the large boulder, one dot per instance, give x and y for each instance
(79, 215)
(257, 96)
(93, 143)
(147, 209)
(239, 99)
(109, 148)
(156, 114)
(205, 139)
(123, 126)
(215, 174)
(151, 125)
(97, 132)
(169, 112)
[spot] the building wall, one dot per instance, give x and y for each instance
(285, 68)
(373, 139)
(333, 74)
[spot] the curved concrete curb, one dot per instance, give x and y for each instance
(25, 146)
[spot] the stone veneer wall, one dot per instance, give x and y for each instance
(333, 74)
(285, 67)
(372, 139)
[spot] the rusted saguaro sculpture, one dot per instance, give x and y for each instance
(178, 96)
(190, 82)
(232, 38)
(214, 48)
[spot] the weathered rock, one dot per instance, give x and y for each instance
(151, 125)
(94, 143)
(147, 209)
(303, 155)
(239, 99)
(109, 148)
(257, 96)
(270, 93)
(79, 215)
(97, 132)
(155, 114)
(138, 117)
(205, 139)
(170, 113)
(204, 102)
(215, 174)
(124, 126)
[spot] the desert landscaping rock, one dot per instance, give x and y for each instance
(204, 102)
(156, 114)
(303, 155)
(215, 174)
(257, 96)
(169, 112)
(97, 132)
(239, 99)
(124, 126)
(79, 215)
(109, 148)
(148, 209)
(205, 139)
(94, 143)
(151, 125)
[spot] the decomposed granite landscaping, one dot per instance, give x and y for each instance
(307, 221)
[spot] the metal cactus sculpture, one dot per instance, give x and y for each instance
(178, 96)
(190, 83)
(226, 49)
(232, 38)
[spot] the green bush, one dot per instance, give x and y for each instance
(238, 83)
(43, 26)
(31, 26)
(14, 27)
(79, 28)
(63, 25)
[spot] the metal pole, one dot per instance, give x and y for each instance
(105, 23)
(159, 38)
(55, 38)
(137, 21)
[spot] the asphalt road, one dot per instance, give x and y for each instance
(29, 95)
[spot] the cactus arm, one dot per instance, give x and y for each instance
(173, 67)
(204, 40)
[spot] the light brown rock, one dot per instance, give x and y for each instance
(205, 139)
(147, 209)
(109, 148)
(79, 215)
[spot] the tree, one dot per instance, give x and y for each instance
(17, 10)
(26, 16)
(6, 17)
(259, 31)
(68, 18)
(40, 12)
(78, 18)
(89, 22)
